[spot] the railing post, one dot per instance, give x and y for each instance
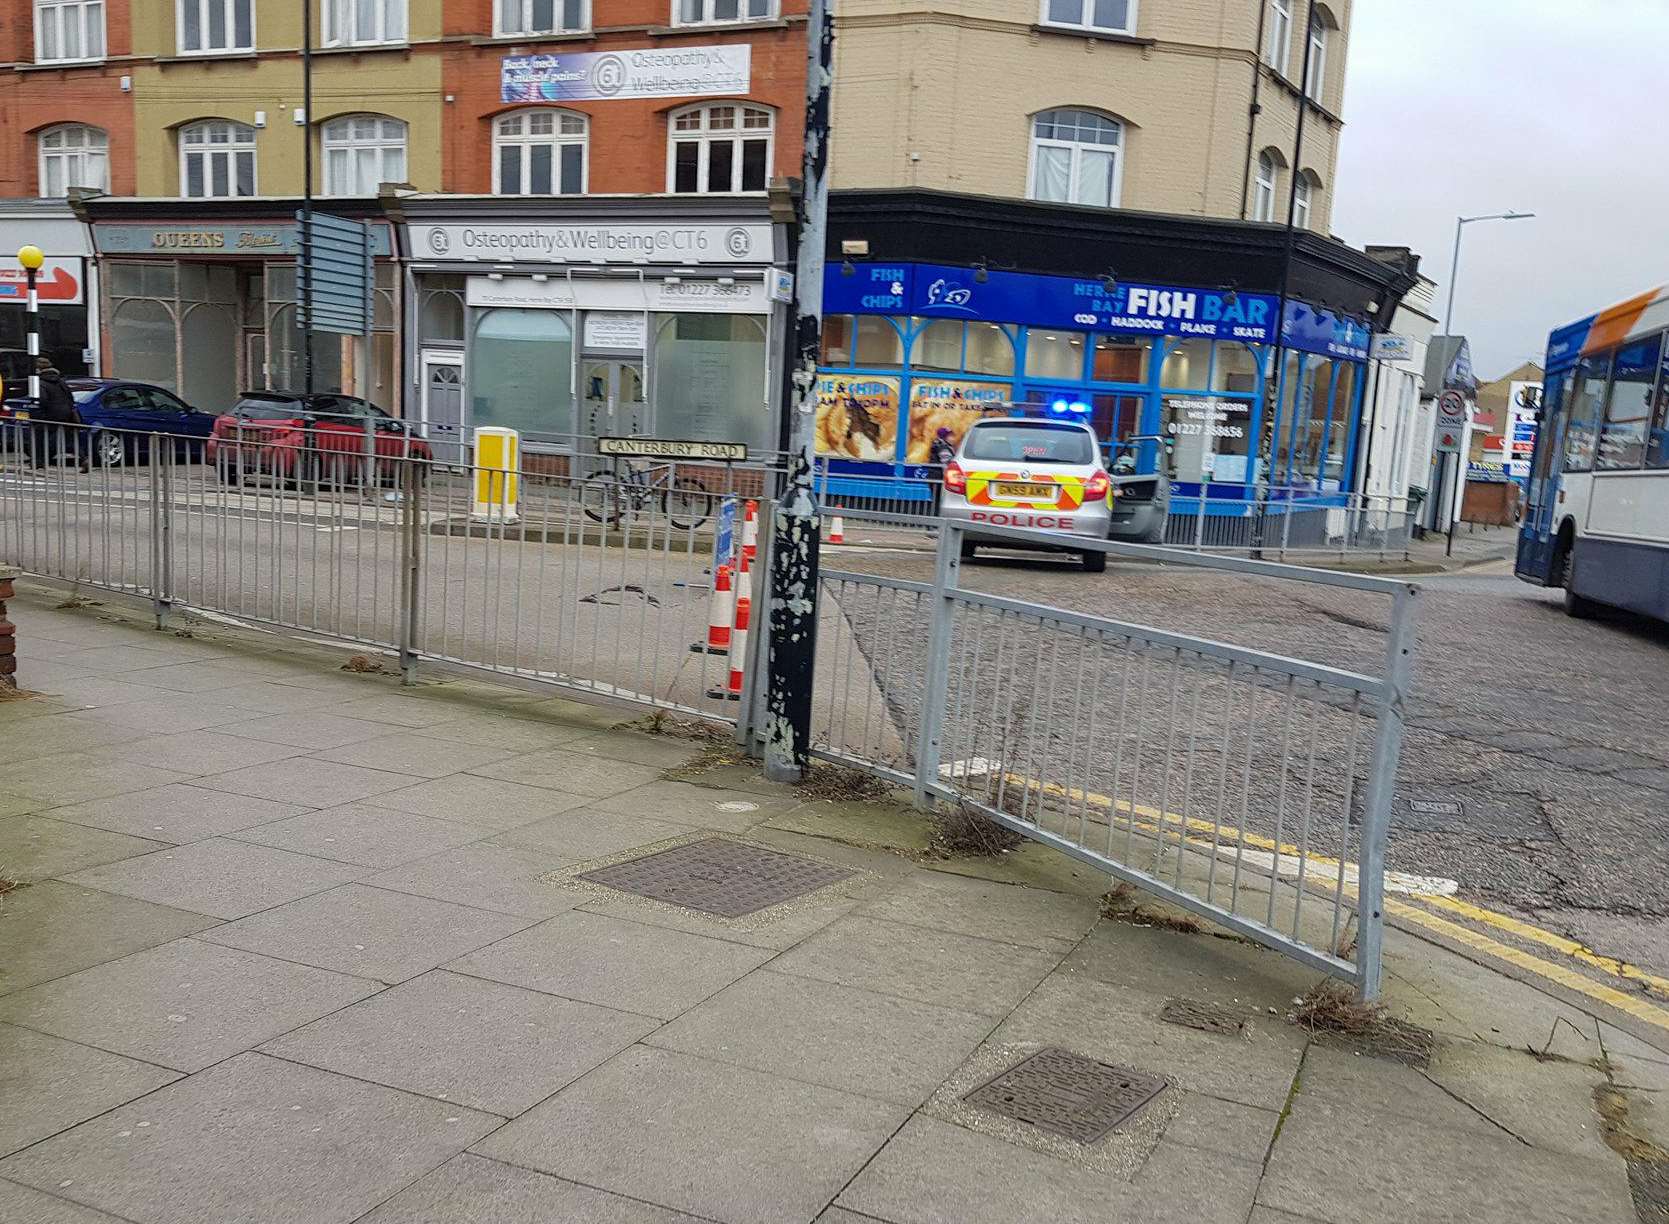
(161, 534)
(411, 518)
(1199, 524)
(1286, 528)
(947, 570)
(1382, 785)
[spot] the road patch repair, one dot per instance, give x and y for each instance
(450, 1004)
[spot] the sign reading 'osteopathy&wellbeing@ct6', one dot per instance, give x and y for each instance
(648, 72)
(589, 242)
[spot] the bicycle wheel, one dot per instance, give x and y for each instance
(600, 498)
(687, 503)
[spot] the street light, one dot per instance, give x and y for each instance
(1454, 269)
(31, 258)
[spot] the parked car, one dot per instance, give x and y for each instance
(1141, 501)
(292, 436)
(121, 415)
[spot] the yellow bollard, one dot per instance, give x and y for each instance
(498, 457)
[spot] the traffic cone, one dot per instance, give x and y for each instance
(718, 617)
(738, 651)
(750, 533)
(837, 531)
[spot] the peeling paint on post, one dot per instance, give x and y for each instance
(796, 530)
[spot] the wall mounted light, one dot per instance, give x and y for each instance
(981, 273)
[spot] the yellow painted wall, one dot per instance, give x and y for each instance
(277, 24)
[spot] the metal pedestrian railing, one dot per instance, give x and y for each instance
(1348, 526)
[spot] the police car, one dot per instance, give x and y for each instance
(1040, 474)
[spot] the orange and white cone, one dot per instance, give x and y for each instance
(718, 617)
(750, 533)
(732, 691)
(837, 531)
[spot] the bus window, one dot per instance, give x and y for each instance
(1628, 405)
(1582, 419)
(1547, 433)
(1657, 450)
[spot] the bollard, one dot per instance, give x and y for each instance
(750, 535)
(498, 454)
(732, 691)
(718, 619)
(8, 631)
(837, 531)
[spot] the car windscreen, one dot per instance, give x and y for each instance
(82, 394)
(1030, 442)
(267, 409)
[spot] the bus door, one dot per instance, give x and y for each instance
(1535, 537)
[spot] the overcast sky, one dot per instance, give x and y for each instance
(1480, 106)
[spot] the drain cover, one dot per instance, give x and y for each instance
(724, 878)
(1207, 1017)
(1067, 1094)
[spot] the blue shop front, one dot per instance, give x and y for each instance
(909, 348)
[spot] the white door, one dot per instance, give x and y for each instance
(443, 406)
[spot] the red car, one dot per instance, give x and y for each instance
(320, 437)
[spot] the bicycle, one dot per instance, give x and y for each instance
(607, 497)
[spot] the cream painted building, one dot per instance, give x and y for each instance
(1175, 106)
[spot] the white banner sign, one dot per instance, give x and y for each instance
(615, 329)
(582, 242)
(679, 296)
(647, 72)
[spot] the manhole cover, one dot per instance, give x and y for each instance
(1208, 1017)
(1067, 1094)
(724, 878)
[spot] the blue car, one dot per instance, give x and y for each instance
(120, 415)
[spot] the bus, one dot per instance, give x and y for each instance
(1597, 515)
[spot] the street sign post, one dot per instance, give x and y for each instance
(334, 275)
(1454, 420)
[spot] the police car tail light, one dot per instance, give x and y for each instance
(1097, 487)
(956, 480)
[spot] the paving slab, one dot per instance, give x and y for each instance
(276, 696)
(177, 813)
(318, 784)
(516, 735)
(52, 928)
(368, 932)
(577, 773)
(212, 676)
(257, 1140)
(218, 876)
(471, 1188)
(877, 1045)
(626, 965)
(196, 753)
(483, 1044)
(1033, 917)
(368, 836)
(18, 805)
(409, 753)
(83, 691)
(123, 658)
(1176, 1184)
(75, 777)
(184, 1005)
(164, 714)
(1549, 1104)
(58, 734)
(399, 710)
(505, 879)
(718, 1141)
(487, 802)
(583, 834)
(705, 807)
(975, 975)
(1158, 961)
(1220, 1127)
(309, 728)
(38, 847)
(19, 1202)
(655, 751)
(50, 1084)
(1344, 1164)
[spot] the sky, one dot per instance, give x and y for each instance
(1467, 107)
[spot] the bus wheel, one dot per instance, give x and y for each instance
(1576, 605)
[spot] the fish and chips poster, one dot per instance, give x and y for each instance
(953, 404)
(857, 417)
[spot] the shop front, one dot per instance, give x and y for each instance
(206, 305)
(571, 320)
(61, 290)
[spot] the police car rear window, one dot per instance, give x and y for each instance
(1030, 443)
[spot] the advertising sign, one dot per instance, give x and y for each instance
(585, 242)
(949, 403)
(1523, 405)
(57, 283)
(649, 72)
(858, 417)
(616, 329)
(191, 240)
(1388, 346)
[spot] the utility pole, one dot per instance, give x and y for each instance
(304, 312)
(796, 529)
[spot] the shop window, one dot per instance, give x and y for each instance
(1339, 421)
(287, 355)
(146, 339)
(1289, 391)
(1054, 354)
(361, 152)
(718, 12)
(1657, 451)
(990, 350)
(1121, 359)
(710, 379)
(1234, 368)
(1586, 401)
(541, 17)
(1265, 184)
(1209, 437)
(350, 23)
(1187, 365)
(540, 152)
(837, 342)
(1106, 16)
(719, 148)
(208, 26)
(880, 343)
(1278, 49)
(937, 345)
(1628, 405)
(521, 371)
(1075, 158)
(1314, 417)
(73, 155)
(210, 327)
(440, 315)
(217, 160)
(69, 30)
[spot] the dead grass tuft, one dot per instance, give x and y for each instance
(1620, 1136)
(362, 665)
(961, 832)
(842, 785)
(1124, 904)
(1333, 1015)
(75, 599)
(10, 692)
(9, 882)
(664, 722)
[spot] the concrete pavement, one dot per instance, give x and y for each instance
(297, 944)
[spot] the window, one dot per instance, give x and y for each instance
(1054, 354)
(541, 16)
(1108, 16)
(1586, 399)
(207, 26)
(715, 12)
(1075, 158)
(217, 160)
(1301, 202)
(726, 147)
(73, 156)
(539, 153)
(1263, 188)
(880, 343)
(1121, 359)
(348, 23)
(69, 30)
(1279, 48)
(711, 378)
(1315, 75)
(361, 151)
(1035, 442)
(937, 346)
(1628, 406)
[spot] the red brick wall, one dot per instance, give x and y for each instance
(628, 146)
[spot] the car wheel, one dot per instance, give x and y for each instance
(108, 449)
(1095, 562)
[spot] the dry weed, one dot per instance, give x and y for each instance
(1124, 904)
(961, 832)
(364, 666)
